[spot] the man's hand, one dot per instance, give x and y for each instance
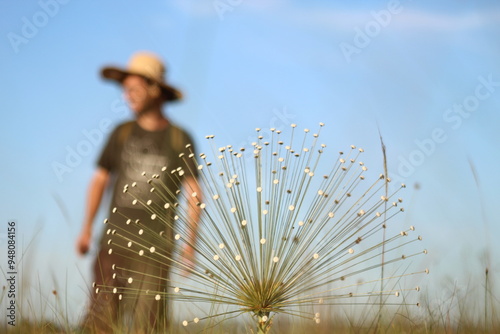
(83, 242)
(187, 258)
(94, 195)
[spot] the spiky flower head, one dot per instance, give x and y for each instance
(285, 227)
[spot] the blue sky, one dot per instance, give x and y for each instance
(261, 63)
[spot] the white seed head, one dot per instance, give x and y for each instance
(152, 249)
(243, 222)
(130, 280)
(316, 256)
(276, 259)
(351, 251)
(157, 297)
(237, 257)
(221, 246)
(262, 241)
(176, 289)
(216, 257)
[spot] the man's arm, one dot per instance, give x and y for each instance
(94, 195)
(191, 186)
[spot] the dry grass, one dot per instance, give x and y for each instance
(469, 310)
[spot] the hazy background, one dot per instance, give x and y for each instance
(426, 73)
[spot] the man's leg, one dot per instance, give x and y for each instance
(103, 308)
(150, 313)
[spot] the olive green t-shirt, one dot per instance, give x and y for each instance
(133, 155)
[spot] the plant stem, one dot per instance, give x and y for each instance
(486, 301)
(263, 323)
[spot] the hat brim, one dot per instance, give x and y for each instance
(169, 93)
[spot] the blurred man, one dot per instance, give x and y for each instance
(143, 146)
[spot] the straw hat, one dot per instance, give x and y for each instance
(147, 65)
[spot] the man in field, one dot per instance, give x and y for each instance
(123, 276)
